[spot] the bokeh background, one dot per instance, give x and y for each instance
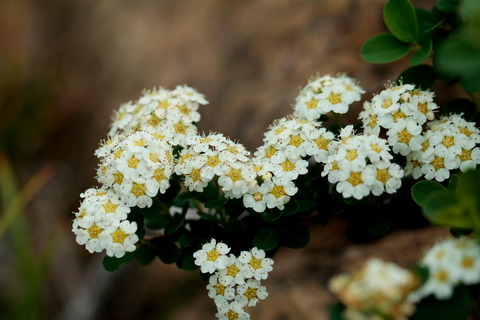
(65, 65)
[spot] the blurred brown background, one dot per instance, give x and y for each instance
(65, 65)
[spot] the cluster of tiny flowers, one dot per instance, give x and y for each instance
(214, 156)
(401, 110)
(450, 262)
(379, 290)
(170, 113)
(136, 166)
(360, 165)
(235, 282)
(449, 143)
(432, 147)
(101, 223)
(326, 94)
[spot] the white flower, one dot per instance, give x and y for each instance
(289, 168)
(232, 274)
(212, 256)
(255, 197)
(354, 183)
(235, 179)
(321, 144)
(279, 192)
(88, 234)
(250, 293)
(215, 288)
(231, 311)
(404, 137)
(119, 238)
(438, 166)
(324, 94)
(387, 177)
(256, 264)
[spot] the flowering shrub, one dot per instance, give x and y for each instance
(204, 201)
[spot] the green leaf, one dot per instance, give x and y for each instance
(169, 196)
(453, 182)
(467, 192)
(267, 239)
(166, 249)
(209, 217)
(187, 261)
(336, 311)
(290, 208)
(156, 219)
(401, 20)
(186, 240)
(423, 53)
(175, 224)
(443, 208)
(145, 254)
(467, 107)
(423, 190)
(111, 263)
(271, 215)
(379, 224)
(456, 307)
(427, 21)
(459, 57)
(447, 5)
(422, 76)
(294, 235)
(384, 48)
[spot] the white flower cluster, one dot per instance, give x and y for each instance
(360, 165)
(235, 282)
(448, 144)
(379, 290)
(137, 167)
(326, 94)
(101, 223)
(136, 164)
(450, 262)
(170, 113)
(433, 147)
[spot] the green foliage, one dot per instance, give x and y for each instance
(457, 206)
(267, 239)
(423, 76)
(111, 263)
(401, 20)
(384, 48)
(457, 307)
(448, 33)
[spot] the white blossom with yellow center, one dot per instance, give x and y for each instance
(212, 256)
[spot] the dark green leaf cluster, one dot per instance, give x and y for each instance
(456, 206)
(448, 34)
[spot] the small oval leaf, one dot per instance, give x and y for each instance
(384, 48)
(401, 20)
(423, 190)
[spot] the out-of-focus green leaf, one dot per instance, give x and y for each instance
(423, 53)
(447, 5)
(422, 76)
(384, 48)
(401, 20)
(458, 106)
(443, 208)
(423, 190)
(145, 254)
(266, 239)
(294, 235)
(458, 57)
(456, 307)
(111, 263)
